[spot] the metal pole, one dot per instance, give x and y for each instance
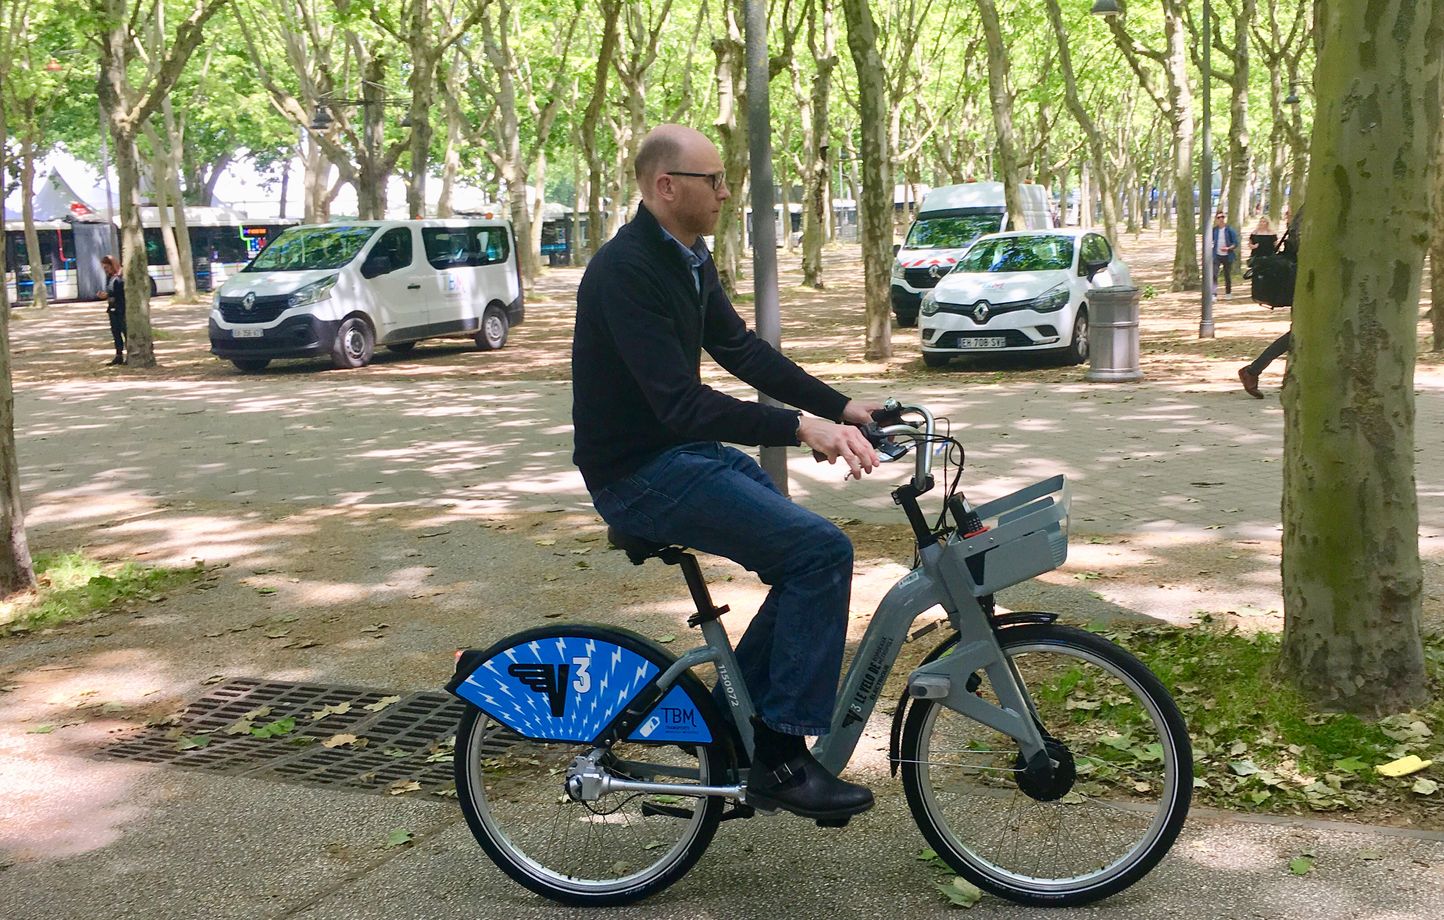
(764, 231)
(1205, 325)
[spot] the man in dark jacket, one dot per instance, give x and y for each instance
(647, 436)
(114, 297)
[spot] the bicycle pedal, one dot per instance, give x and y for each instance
(833, 822)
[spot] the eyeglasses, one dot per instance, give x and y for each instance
(718, 179)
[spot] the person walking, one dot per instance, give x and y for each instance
(114, 297)
(1225, 251)
(647, 442)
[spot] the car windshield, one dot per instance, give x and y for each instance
(1019, 254)
(302, 249)
(951, 232)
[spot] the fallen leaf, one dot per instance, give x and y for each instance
(195, 741)
(45, 729)
(1403, 766)
(401, 787)
(382, 703)
(1425, 786)
(960, 892)
(1301, 865)
(667, 638)
(213, 679)
(399, 837)
(336, 741)
(339, 709)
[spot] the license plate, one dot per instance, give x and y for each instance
(248, 333)
(985, 341)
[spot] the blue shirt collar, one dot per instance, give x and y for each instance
(696, 254)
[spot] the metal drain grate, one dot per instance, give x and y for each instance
(407, 741)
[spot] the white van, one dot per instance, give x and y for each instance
(341, 289)
(950, 219)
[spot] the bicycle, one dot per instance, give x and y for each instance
(594, 767)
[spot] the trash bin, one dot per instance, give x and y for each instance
(1113, 335)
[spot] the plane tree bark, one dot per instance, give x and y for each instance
(128, 106)
(1351, 573)
(1097, 152)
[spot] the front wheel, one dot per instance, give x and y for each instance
(1115, 802)
(1077, 352)
(355, 344)
(617, 849)
(936, 359)
(251, 365)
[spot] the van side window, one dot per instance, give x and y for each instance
(396, 243)
(461, 247)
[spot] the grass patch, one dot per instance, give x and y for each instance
(1258, 744)
(74, 586)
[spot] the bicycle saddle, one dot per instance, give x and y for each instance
(637, 549)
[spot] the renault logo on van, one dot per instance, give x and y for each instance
(937, 271)
(248, 302)
(981, 312)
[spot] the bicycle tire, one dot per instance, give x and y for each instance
(1084, 742)
(511, 791)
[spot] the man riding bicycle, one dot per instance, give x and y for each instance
(647, 433)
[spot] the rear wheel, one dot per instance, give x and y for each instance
(1117, 797)
(494, 326)
(355, 343)
(617, 849)
(251, 365)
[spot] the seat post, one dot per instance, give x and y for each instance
(706, 610)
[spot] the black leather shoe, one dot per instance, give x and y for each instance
(804, 787)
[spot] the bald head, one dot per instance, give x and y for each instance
(668, 147)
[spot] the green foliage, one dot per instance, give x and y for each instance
(76, 586)
(1259, 745)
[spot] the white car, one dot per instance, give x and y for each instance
(1019, 292)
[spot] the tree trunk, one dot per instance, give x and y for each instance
(1002, 102)
(1351, 573)
(1278, 150)
(1085, 121)
(1436, 255)
(421, 78)
(317, 183)
(451, 158)
(732, 129)
(591, 121)
(875, 208)
(1239, 154)
(160, 182)
(538, 208)
(27, 211)
(370, 159)
(16, 571)
(816, 171)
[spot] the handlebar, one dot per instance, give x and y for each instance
(893, 412)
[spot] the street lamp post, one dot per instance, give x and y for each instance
(1205, 198)
(372, 134)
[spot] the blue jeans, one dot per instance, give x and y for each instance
(718, 500)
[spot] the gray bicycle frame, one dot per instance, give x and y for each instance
(941, 580)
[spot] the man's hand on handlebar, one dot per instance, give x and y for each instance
(830, 441)
(859, 413)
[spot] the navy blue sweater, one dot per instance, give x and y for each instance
(636, 361)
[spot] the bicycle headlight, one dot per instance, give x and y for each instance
(315, 292)
(930, 303)
(1051, 300)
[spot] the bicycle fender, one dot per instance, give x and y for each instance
(569, 683)
(899, 716)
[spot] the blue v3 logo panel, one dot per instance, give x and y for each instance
(674, 719)
(566, 688)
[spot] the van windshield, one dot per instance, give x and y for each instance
(302, 249)
(1019, 254)
(951, 232)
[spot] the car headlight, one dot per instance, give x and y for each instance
(215, 300)
(930, 303)
(1052, 300)
(897, 270)
(314, 292)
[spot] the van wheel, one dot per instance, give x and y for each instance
(906, 320)
(1077, 352)
(402, 348)
(251, 365)
(494, 326)
(355, 344)
(152, 287)
(934, 359)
